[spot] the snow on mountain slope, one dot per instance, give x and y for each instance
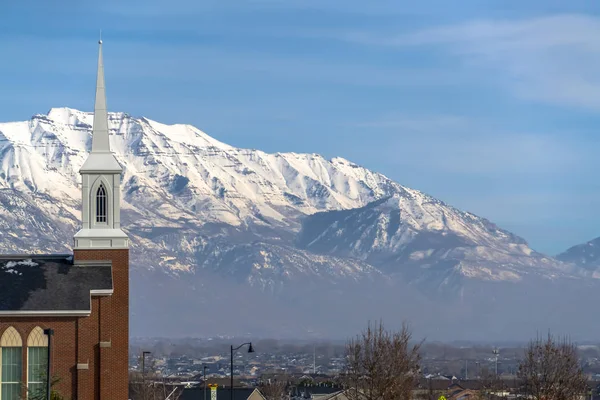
(181, 185)
(207, 219)
(586, 256)
(197, 177)
(177, 182)
(272, 267)
(413, 234)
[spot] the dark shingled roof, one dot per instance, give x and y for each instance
(50, 283)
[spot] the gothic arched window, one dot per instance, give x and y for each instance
(101, 204)
(37, 361)
(11, 356)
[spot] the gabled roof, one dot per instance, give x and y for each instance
(343, 395)
(462, 394)
(52, 285)
(319, 389)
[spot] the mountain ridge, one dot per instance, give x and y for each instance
(585, 255)
(283, 228)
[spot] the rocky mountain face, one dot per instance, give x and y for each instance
(427, 242)
(272, 244)
(586, 255)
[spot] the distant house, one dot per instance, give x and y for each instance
(321, 392)
(222, 394)
(340, 395)
(457, 392)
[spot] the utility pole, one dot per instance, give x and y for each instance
(430, 389)
(314, 360)
(496, 353)
(466, 370)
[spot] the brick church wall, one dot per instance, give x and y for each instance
(77, 340)
(112, 363)
(64, 353)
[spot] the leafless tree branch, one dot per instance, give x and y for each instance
(381, 364)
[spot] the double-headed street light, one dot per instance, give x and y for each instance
(250, 350)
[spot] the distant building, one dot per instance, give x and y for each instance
(320, 392)
(222, 394)
(83, 297)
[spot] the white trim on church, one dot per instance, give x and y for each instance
(101, 209)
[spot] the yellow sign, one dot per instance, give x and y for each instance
(442, 397)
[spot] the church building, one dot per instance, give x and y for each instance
(73, 309)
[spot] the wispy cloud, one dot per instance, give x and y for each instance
(551, 59)
(464, 146)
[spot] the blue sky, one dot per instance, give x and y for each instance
(491, 106)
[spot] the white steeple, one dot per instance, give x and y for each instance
(100, 136)
(101, 183)
(101, 158)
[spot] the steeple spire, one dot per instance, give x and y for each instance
(100, 143)
(100, 158)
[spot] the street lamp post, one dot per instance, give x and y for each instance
(49, 333)
(144, 373)
(250, 350)
(204, 371)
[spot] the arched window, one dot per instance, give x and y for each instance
(101, 204)
(37, 360)
(11, 353)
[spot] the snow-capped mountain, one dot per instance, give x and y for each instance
(217, 226)
(425, 240)
(209, 180)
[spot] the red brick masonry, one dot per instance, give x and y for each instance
(101, 340)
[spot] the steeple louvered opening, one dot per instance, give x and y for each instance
(101, 205)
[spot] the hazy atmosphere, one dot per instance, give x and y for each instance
(299, 200)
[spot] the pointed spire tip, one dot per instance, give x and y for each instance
(100, 133)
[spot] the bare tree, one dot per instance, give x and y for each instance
(381, 364)
(551, 370)
(140, 387)
(152, 388)
(426, 391)
(489, 384)
(274, 388)
(150, 385)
